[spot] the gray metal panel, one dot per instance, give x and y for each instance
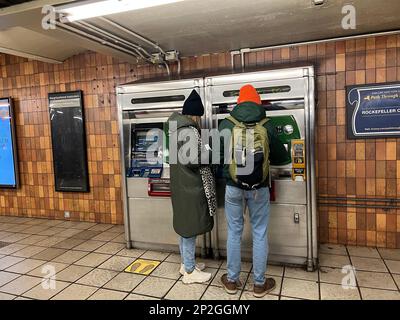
(160, 86)
(155, 118)
(290, 192)
(137, 187)
(286, 238)
(296, 88)
(151, 226)
(125, 132)
(152, 221)
(249, 77)
(314, 214)
(147, 111)
(123, 170)
(309, 86)
(127, 97)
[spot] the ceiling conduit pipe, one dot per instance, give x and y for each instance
(97, 39)
(167, 68)
(233, 54)
(140, 51)
(138, 36)
(242, 52)
(179, 67)
(109, 37)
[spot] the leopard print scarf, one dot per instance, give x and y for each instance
(208, 180)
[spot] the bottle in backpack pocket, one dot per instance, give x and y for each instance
(240, 155)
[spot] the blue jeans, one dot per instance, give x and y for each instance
(258, 204)
(187, 247)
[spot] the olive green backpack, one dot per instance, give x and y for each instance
(241, 156)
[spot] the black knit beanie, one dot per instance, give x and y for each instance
(193, 105)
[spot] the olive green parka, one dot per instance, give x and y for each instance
(191, 215)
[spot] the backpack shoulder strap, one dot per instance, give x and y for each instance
(263, 121)
(234, 121)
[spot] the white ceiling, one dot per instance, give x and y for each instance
(218, 25)
(196, 27)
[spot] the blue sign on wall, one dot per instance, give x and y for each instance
(8, 161)
(373, 111)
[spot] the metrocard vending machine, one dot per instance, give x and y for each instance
(143, 112)
(288, 99)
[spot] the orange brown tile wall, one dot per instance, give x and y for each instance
(348, 171)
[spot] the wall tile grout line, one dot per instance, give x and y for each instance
(391, 275)
(283, 277)
(357, 284)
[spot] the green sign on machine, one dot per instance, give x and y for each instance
(287, 130)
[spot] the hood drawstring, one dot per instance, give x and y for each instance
(256, 194)
(244, 202)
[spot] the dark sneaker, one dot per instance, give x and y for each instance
(230, 286)
(261, 290)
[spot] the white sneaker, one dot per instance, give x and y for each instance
(199, 266)
(196, 276)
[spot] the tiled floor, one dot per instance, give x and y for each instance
(89, 260)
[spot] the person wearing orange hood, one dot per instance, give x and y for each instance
(249, 189)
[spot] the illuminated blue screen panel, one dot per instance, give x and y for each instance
(8, 159)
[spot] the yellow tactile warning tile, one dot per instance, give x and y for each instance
(142, 266)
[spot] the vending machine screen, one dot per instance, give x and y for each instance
(147, 156)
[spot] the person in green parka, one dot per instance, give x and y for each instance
(193, 192)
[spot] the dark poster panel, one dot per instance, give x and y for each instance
(373, 111)
(69, 141)
(8, 146)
